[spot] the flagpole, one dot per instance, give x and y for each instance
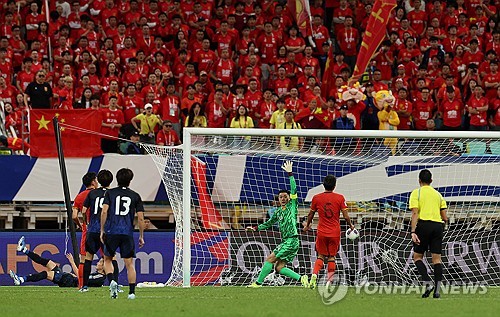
(49, 42)
(67, 198)
(308, 10)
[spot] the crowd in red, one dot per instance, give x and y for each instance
(196, 62)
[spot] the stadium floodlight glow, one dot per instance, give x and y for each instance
(221, 180)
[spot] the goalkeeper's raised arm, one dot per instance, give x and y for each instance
(288, 202)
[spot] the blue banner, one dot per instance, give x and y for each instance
(257, 178)
(153, 261)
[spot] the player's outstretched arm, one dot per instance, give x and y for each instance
(71, 261)
(266, 225)
(288, 167)
(345, 214)
(310, 218)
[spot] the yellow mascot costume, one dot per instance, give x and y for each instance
(387, 117)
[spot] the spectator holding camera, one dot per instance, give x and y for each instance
(148, 122)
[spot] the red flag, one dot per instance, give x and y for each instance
(75, 143)
(327, 79)
(316, 120)
(374, 35)
(301, 13)
(324, 118)
(210, 217)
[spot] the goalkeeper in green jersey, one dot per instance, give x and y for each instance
(286, 216)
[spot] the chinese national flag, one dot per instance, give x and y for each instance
(374, 35)
(324, 118)
(75, 143)
(317, 120)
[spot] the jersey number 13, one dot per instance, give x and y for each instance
(122, 204)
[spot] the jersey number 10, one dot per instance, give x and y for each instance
(122, 203)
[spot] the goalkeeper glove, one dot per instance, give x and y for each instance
(253, 229)
(287, 167)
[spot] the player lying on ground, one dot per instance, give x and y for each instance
(286, 216)
(97, 278)
(55, 274)
(328, 205)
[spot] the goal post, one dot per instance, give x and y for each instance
(221, 180)
(186, 209)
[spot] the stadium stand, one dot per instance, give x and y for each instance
(152, 51)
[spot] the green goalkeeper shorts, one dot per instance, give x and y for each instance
(287, 250)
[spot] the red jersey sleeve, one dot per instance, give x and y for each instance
(80, 198)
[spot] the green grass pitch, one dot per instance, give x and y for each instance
(236, 301)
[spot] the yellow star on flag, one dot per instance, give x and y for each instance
(62, 120)
(42, 123)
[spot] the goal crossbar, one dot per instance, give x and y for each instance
(343, 133)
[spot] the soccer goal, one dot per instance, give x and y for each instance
(223, 180)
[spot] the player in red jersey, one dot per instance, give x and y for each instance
(89, 180)
(328, 205)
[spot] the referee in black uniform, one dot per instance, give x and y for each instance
(427, 221)
(39, 92)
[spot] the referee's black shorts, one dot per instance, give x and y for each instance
(430, 234)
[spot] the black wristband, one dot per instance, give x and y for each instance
(290, 174)
(413, 232)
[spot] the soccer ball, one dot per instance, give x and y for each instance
(352, 234)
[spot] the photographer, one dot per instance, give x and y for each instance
(471, 74)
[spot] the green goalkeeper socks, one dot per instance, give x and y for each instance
(266, 269)
(287, 272)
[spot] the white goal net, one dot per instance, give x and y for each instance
(223, 180)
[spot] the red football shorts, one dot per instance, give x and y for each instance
(82, 243)
(328, 246)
